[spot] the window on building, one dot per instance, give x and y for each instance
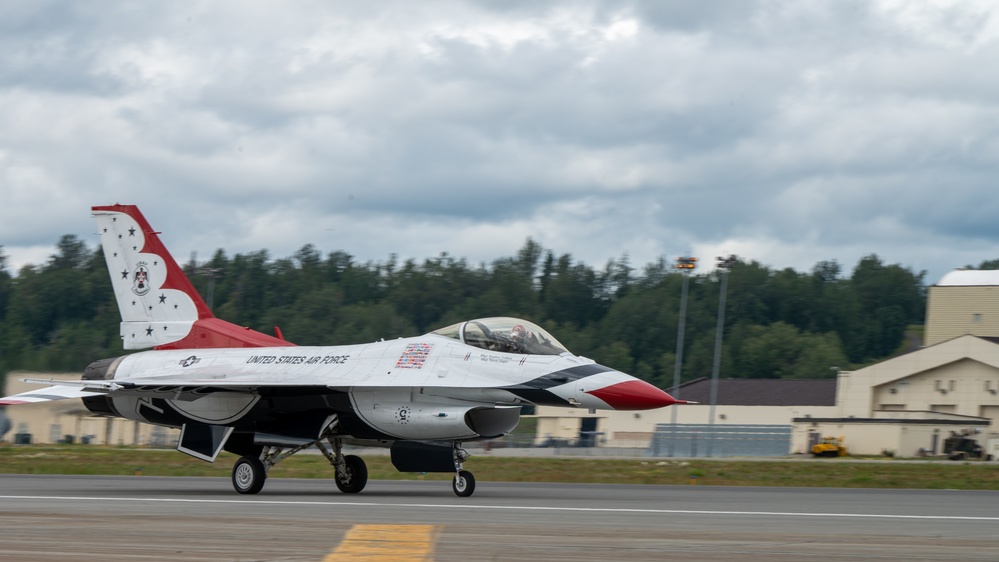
(55, 433)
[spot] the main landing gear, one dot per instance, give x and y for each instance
(351, 474)
(249, 473)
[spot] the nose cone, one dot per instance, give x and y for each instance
(634, 395)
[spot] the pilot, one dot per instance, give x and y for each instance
(519, 337)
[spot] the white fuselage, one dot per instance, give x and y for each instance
(409, 388)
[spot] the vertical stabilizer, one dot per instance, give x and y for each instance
(158, 304)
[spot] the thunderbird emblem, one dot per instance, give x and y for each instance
(140, 279)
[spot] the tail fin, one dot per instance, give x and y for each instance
(158, 304)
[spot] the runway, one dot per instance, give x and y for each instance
(49, 518)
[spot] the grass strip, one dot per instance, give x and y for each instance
(838, 473)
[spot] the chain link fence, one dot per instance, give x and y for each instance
(695, 440)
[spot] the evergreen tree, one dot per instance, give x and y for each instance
(62, 314)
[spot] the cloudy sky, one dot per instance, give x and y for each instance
(786, 132)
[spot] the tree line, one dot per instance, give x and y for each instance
(61, 315)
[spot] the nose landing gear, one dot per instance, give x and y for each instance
(463, 483)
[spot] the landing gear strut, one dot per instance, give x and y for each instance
(351, 472)
(250, 472)
(463, 483)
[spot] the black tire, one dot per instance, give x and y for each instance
(248, 475)
(463, 484)
(356, 478)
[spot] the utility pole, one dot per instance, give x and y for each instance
(685, 265)
(724, 265)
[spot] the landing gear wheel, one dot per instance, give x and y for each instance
(248, 475)
(463, 484)
(356, 475)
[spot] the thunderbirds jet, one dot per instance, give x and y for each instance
(258, 396)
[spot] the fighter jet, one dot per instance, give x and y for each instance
(227, 387)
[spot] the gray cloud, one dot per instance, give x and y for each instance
(788, 132)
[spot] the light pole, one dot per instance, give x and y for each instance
(724, 265)
(685, 265)
(212, 273)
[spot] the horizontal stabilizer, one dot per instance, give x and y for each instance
(58, 392)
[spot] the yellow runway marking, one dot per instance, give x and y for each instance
(387, 542)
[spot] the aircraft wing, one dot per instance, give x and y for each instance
(188, 388)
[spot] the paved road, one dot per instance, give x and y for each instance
(151, 518)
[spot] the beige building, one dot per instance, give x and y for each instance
(957, 376)
(964, 302)
(914, 401)
(68, 421)
(895, 433)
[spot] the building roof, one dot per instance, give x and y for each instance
(762, 392)
(970, 278)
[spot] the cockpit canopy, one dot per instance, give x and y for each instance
(509, 335)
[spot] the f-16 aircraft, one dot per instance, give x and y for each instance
(231, 388)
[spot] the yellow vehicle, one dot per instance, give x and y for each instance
(829, 447)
